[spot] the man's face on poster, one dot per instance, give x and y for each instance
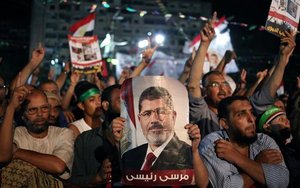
(157, 121)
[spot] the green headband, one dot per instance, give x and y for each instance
(88, 94)
(269, 115)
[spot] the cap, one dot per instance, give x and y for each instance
(51, 95)
(270, 114)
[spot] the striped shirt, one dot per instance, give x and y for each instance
(225, 174)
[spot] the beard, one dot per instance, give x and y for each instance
(35, 127)
(52, 121)
(157, 135)
(242, 139)
(280, 134)
(245, 140)
(111, 115)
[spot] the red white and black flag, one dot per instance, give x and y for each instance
(84, 46)
(84, 27)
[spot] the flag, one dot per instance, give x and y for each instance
(84, 27)
(217, 47)
(189, 45)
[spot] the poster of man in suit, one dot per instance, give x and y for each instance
(155, 148)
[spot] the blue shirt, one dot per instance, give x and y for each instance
(225, 174)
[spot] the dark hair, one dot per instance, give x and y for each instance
(153, 93)
(48, 82)
(223, 110)
(106, 94)
(83, 86)
(207, 75)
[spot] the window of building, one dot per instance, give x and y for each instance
(64, 6)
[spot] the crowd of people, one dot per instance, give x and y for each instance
(242, 137)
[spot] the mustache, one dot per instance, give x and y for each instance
(98, 109)
(39, 119)
(156, 125)
(222, 92)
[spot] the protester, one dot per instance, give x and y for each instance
(36, 151)
(239, 157)
(275, 123)
(89, 101)
(96, 155)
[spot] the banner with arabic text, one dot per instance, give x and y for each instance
(283, 15)
(85, 54)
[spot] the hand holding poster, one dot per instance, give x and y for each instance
(283, 15)
(85, 54)
(155, 147)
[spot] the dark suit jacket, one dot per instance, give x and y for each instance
(177, 155)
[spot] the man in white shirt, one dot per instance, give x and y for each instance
(45, 147)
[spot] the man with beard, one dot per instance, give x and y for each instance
(95, 152)
(89, 101)
(275, 123)
(47, 148)
(238, 157)
(157, 118)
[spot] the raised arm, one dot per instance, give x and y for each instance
(68, 96)
(147, 55)
(37, 56)
(201, 174)
(207, 35)
(260, 76)
(7, 129)
(241, 85)
(187, 68)
(287, 46)
(228, 56)
(60, 81)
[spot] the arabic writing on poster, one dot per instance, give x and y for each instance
(165, 177)
(155, 140)
(283, 15)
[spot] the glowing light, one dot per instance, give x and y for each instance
(143, 43)
(105, 4)
(52, 62)
(143, 13)
(130, 9)
(159, 38)
(181, 15)
(114, 61)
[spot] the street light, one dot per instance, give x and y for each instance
(159, 38)
(143, 43)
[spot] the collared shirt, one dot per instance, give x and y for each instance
(158, 150)
(225, 174)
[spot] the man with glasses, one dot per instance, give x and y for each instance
(36, 147)
(164, 150)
